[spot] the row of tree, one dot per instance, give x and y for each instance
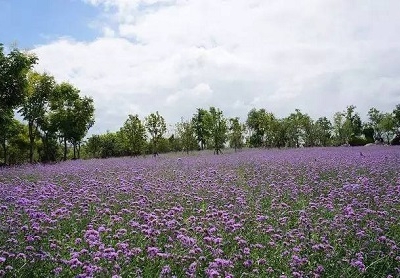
(55, 115)
(56, 120)
(209, 129)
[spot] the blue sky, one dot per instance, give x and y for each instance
(35, 22)
(173, 56)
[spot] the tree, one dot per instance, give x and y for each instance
(340, 131)
(353, 121)
(187, 136)
(93, 145)
(155, 125)
(110, 146)
(83, 120)
(368, 133)
(396, 118)
(13, 70)
(35, 106)
(347, 125)
(375, 117)
(8, 129)
(18, 144)
(134, 135)
(48, 133)
(14, 67)
(201, 125)
(281, 138)
(387, 125)
(300, 129)
(175, 143)
(255, 125)
(62, 106)
(218, 129)
(236, 130)
(71, 115)
(323, 128)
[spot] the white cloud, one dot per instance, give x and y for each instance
(176, 55)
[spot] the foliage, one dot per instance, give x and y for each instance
(133, 133)
(36, 104)
(186, 133)
(396, 118)
(323, 130)
(71, 114)
(387, 125)
(202, 127)
(155, 125)
(218, 129)
(9, 128)
(13, 70)
(236, 130)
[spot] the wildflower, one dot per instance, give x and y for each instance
(166, 270)
(247, 263)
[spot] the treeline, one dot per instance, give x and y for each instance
(55, 116)
(56, 120)
(209, 129)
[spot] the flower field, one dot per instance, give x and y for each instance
(323, 212)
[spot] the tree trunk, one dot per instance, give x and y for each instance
(79, 150)
(31, 142)
(5, 150)
(65, 148)
(74, 150)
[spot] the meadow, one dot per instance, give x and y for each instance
(320, 212)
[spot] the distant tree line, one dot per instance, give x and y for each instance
(56, 120)
(55, 117)
(209, 129)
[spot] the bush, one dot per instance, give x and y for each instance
(358, 141)
(396, 140)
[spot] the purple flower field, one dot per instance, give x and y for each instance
(323, 212)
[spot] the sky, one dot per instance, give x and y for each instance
(174, 56)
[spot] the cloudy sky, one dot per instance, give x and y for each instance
(173, 56)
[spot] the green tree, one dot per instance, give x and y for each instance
(62, 114)
(93, 145)
(353, 121)
(256, 127)
(300, 129)
(18, 144)
(218, 129)
(83, 120)
(134, 135)
(375, 117)
(236, 130)
(186, 133)
(13, 70)
(201, 125)
(341, 132)
(155, 125)
(48, 132)
(110, 145)
(175, 143)
(396, 118)
(8, 129)
(35, 106)
(281, 137)
(71, 115)
(387, 125)
(14, 67)
(323, 128)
